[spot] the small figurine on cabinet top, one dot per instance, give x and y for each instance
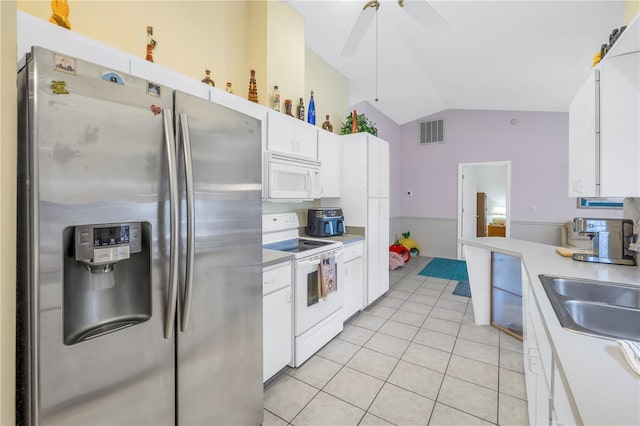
(253, 87)
(228, 89)
(151, 44)
(60, 13)
(327, 124)
(207, 78)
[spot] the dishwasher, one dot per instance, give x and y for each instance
(506, 293)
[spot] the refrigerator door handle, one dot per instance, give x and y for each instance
(172, 299)
(188, 167)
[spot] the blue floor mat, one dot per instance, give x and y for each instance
(462, 289)
(449, 269)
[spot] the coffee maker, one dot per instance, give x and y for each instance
(325, 222)
(609, 240)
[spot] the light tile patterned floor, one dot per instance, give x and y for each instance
(415, 357)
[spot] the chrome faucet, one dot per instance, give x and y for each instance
(609, 240)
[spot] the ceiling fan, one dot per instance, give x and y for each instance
(420, 10)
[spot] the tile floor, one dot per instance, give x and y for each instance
(414, 357)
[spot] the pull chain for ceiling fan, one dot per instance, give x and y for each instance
(376, 55)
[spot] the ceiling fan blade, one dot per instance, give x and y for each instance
(358, 31)
(427, 16)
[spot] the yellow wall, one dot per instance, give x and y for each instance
(285, 52)
(8, 135)
(330, 90)
(191, 35)
(256, 49)
(631, 9)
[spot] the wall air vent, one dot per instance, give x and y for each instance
(431, 132)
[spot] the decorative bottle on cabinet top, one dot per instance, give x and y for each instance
(275, 99)
(300, 110)
(253, 87)
(151, 44)
(311, 115)
(229, 89)
(354, 122)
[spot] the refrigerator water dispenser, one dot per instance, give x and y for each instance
(107, 279)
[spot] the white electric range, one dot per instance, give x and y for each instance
(317, 319)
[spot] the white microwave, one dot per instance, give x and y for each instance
(291, 178)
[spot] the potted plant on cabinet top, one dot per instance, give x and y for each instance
(363, 124)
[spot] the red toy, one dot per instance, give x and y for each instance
(401, 250)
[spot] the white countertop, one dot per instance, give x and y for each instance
(605, 389)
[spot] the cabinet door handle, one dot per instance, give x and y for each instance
(288, 297)
(346, 271)
(269, 281)
(577, 186)
(530, 357)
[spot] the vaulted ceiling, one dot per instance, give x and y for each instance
(434, 55)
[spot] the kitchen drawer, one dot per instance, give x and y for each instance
(276, 277)
(353, 251)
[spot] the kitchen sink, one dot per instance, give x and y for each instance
(598, 308)
(597, 291)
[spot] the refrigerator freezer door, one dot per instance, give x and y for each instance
(92, 152)
(220, 352)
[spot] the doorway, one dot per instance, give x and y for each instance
(494, 180)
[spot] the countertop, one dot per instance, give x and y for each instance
(605, 389)
(272, 257)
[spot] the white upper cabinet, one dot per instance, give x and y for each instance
(620, 126)
(629, 41)
(290, 136)
(378, 167)
(584, 139)
(330, 155)
(604, 126)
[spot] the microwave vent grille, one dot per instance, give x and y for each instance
(431, 132)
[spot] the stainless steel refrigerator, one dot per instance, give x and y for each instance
(140, 258)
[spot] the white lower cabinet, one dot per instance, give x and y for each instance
(548, 399)
(535, 378)
(277, 318)
(353, 282)
(561, 413)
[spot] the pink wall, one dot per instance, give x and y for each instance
(536, 145)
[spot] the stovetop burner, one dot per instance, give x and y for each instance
(297, 245)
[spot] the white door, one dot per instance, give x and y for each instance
(469, 213)
(493, 178)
